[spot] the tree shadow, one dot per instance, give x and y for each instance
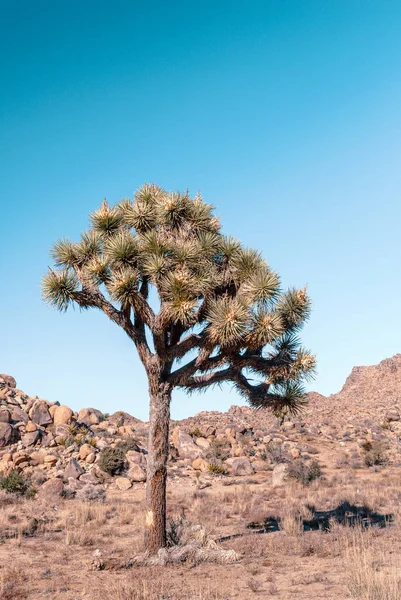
(345, 514)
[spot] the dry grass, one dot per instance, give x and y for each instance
(371, 574)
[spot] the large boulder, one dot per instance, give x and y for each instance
(5, 415)
(90, 416)
(39, 413)
(199, 464)
(123, 483)
(136, 473)
(62, 415)
(73, 470)
(185, 445)
(51, 491)
(6, 434)
(29, 439)
(279, 475)
(8, 380)
(239, 466)
(19, 415)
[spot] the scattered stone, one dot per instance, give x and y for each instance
(51, 490)
(85, 450)
(199, 464)
(73, 470)
(239, 466)
(123, 483)
(279, 475)
(5, 415)
(6, 432)
(136, 473)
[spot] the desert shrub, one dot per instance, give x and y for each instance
(374, 453)
(175, 531)
(195, 432)
(216, 469)
(275, 453)
(15, 483)
(79, 435)
(91, 493)
(112, 460)
(219, 449)
(304, 472)
(128, 444)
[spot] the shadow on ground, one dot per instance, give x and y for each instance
(321, 520)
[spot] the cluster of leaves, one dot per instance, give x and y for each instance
(16, 483)
(79, 435)
(374, 453)
(216, 468)
(216, 297)
(304, 472)
(112, 460)
(195, 432)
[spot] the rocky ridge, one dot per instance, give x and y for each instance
(61, 451)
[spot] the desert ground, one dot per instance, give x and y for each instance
(306, 509)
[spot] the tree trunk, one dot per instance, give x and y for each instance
(158, 451)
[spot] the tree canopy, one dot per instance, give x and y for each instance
(220, 315)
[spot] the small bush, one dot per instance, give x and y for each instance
(195, 432)
(275, 453)
(112, 460)
(374, 453)
(219, 449)
(91, 493)
(216, 469)
(15, 483)
(303, 472)
(175, 531)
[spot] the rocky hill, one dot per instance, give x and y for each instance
(65, 452)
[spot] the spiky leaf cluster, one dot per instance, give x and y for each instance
(216, 297)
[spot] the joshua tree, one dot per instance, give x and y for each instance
(200, 308)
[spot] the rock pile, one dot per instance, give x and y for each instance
(66, 453)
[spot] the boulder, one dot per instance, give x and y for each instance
(62, 415)
(51, 490)
(19, 415)
(279, 475)
(6, 434)
(31, 426)
(73, 470)
(199, 464)
(203, 443)
(136, 473)
(5, 415)
(84, 451)
(29, 439)
(50, 460)
(90, 416)
(392, 415)
(90, 459)
(260, 466)
(239, 466)
(37, 458)
(39, 413)
(136, 458)
(10, 381)
(185, 445)
(123, 483)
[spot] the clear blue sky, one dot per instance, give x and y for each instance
(286, 114)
